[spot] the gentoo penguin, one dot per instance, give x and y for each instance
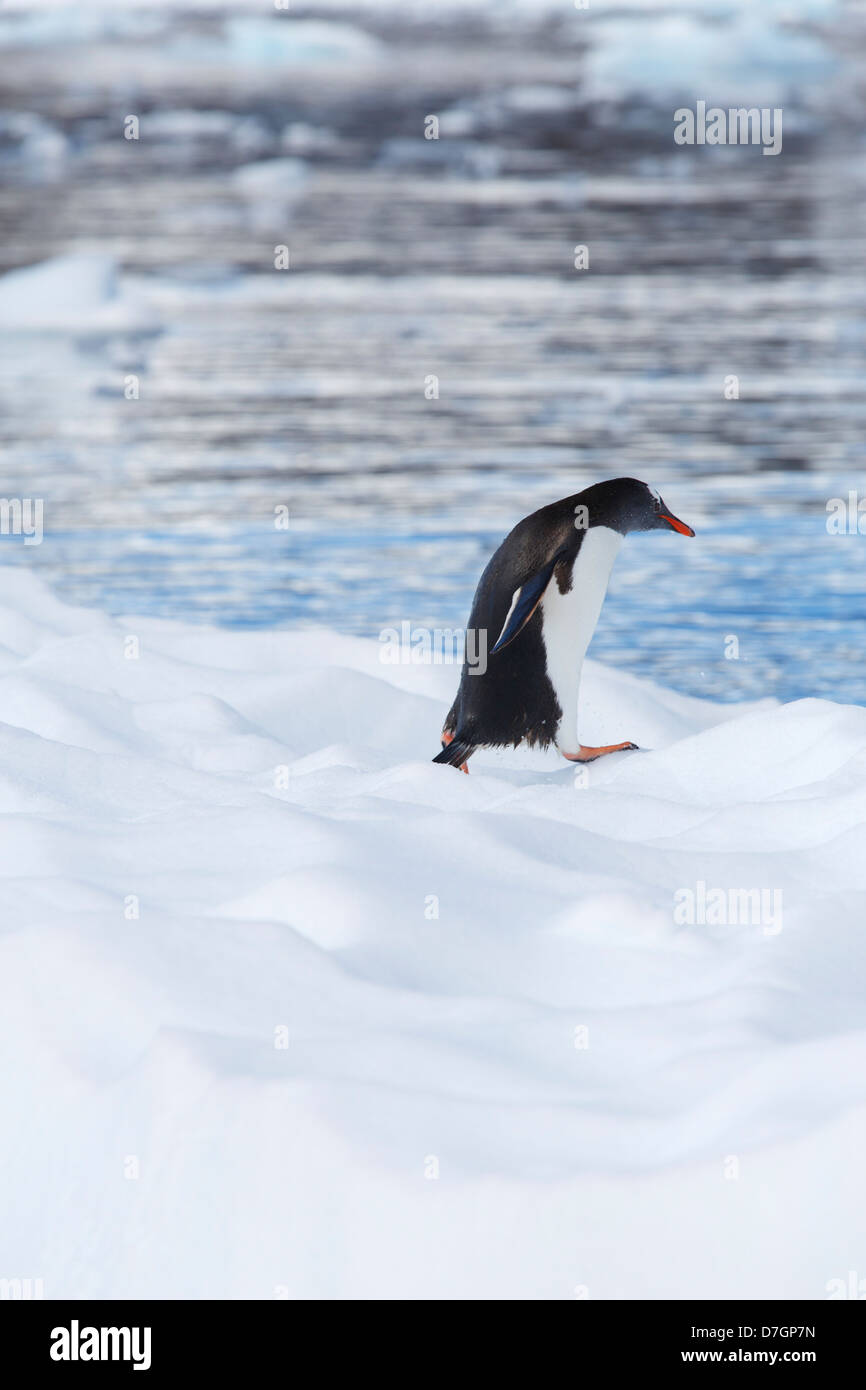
(533, 615)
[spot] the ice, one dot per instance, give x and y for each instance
(290, 1011)
(31, 150)
(186, 135)
(79, 292)
(271, 188)
(741, 56)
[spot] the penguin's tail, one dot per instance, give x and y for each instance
(455, 753)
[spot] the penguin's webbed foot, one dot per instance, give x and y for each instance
(589, 755)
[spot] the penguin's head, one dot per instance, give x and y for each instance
(631, 505)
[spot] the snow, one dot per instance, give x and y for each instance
(218, 842)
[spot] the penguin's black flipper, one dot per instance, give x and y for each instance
(524, 603)
(455, 753)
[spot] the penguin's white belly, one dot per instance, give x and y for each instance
(568, 622)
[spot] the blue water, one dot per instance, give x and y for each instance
(413, 259)
(790, 594)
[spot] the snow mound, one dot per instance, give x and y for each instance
(290, 1010)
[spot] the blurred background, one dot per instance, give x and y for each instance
(164, 388)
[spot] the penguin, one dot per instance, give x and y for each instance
(533, 616)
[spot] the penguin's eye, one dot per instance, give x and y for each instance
(657, 504)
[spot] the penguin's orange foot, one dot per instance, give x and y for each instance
(449, 738)
(589, 755)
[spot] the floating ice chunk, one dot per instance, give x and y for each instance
(298, 42)
(74, 293)
(31, 149)
(195, 134)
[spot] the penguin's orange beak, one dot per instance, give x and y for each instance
(677, 525)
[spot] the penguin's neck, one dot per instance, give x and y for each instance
(569, 620)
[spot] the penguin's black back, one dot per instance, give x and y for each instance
(513, 700)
